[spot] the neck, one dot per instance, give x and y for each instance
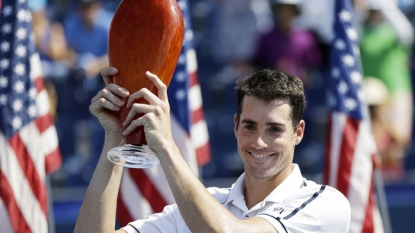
(257, 189)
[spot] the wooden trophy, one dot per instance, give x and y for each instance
(145, 35)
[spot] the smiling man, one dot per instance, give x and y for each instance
(270, 196)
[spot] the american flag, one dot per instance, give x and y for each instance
(28, 140)
(149, 187)
(351, 150)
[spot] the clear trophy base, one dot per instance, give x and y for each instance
(133, 156)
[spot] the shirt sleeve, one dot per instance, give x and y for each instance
(314, 209)
(169, 220)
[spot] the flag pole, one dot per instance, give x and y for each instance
(51, 217)
(382, 202)
(378, 179)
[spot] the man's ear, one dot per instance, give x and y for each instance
(235, 125)
(299, 133)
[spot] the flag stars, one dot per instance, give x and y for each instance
(183, 5)
(5, 46)
(4, 63)
(181, 76)
(19, 87)
(23, 15)
(3, 99)
(350, 104)
(188, 35)
(3, 81)
(356, 50)
(335, 72)
(7, 28)
(182, 59)
(352, 34)
(356, 77)
(17, 105)
(348, 60)
(343, 87)
(7, 11)
(32, 111)
(20, 69)
(32, 92)
(361, 95)
(180, 94)
(16, 122)
(21, 51)
(21, 33)
(345, 16)
(339, 44)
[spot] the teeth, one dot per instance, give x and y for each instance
(259, 156)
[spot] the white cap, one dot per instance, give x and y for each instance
(375, 91)
(379, 4)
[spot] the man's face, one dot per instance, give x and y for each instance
(266, 138)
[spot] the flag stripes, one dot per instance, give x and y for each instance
(13, 213)
(28, 140)
(349, 160)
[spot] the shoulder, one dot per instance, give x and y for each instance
(321, 195)
(318, 208)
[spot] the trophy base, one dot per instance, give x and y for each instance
(133, 156)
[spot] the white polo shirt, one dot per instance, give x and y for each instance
(296, 205)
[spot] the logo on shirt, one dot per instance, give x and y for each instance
(279, 209)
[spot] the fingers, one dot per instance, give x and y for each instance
(147, 115)
(107, 74)
(149, 96)
(112, 92)
(111, 97)
(101, 104)
(161, 87)
(157, 105)
(132, 126)
(141, 109)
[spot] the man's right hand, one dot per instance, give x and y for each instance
(105, 106)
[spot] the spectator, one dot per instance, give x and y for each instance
(387, 36)
(86, 31)
(287, 47)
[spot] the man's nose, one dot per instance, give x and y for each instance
(259, 142)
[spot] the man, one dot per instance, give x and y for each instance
(271, 196)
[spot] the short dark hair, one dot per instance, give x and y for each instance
(269, 85)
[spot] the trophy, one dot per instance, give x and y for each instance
(145, 35)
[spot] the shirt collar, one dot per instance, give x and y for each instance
(237, 190)
(291, 184)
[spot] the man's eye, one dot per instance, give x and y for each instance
(249, 127)
(275, 130)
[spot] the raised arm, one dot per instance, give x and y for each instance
(98, 211)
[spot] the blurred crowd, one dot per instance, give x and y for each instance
(233, 38)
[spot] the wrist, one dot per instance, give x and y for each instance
(114, 138)
(167, 150)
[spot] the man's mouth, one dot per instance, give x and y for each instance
(260, 156)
